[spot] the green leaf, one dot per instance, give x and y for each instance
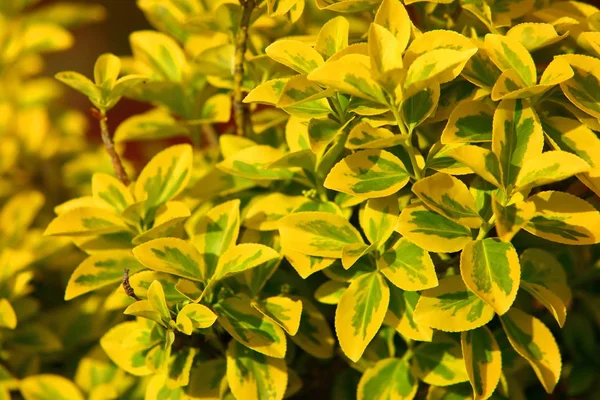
(360, 313)
(483, 360)
(583, 88)
(452, 307)
(408, 266)
(80, 83)
(400, 315)
(481, 161)
(253, 163)
(283, 310)
(390, 378)
(491, 269)
(420, 105)
(508, 54)
(470, 122)
(440, 362)
(243, 257)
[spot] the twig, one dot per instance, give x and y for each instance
(127, 285)
(243, 125)
(110, 148)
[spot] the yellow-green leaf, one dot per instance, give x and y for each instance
(385, 53)
(243, 257)
(160, 54)
(483, 360)
(144, 309)
(452, 307)
(330, 292)
(390, 378)
(174, 256)
(534, 341)
(408, 266)
(583, 89)
(365, 136)
(49, 387)
(206, 378)
(165, 176)
(8, 318)
(534, 36)
(127, 345)
(511, 218)
(392, 15)
(154, 124)
(517, 138)
(549, 167)
(481, 161)
(254, 376)
(264, 213)
(306, 265)
(283, 310)
(295, 54)
(379, 217)
(470, 122)
(250, 327)
(333, 37)
(420, 105)
(432, 231)
(317, 233)
(360, 313)
(440, 362)
(563, 218)
(509, 54)
(253, 162)
(400, 315)
(368, 173)
(491, 269)
(543, 276)
(200, 317)
(112, 191)
(85, 221)
(440, 65)
(305, 99)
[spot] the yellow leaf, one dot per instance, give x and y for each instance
(386, 56)
(449, 367)
(390, 378)
(392, 15)
(173, 256)
(400, 315)
(283, 310)
(264, 213)
(491, 269)
(306, 265)
(378, 218)
(469, 122)
(511, 218)
(333, 37)
(86, 221)
(534, 36)
(440, 65)
(253, 162)
(482, 161)
(508, 54)
(295, 54)
(534, 341)
(365, 136)
(200, 316)
(582, 88)
(112, 191)
(483, 360)
(8, 318)
(549, 167)
(408, 266)
(49, 387)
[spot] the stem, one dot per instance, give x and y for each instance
(240, 109)
(127, 285)
(486, 227)
(408, 142)
(210, 135)
(110, 148)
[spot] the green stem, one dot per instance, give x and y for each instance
(407, 355)
(408, 142)
(110, 148)
(486, 227)
(242, 110)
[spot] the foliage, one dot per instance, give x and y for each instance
(415, 182)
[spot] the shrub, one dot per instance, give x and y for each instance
(401, 208)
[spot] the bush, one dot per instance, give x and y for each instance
(405, 205)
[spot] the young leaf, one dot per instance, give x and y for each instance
(483, 360)
(112, 191)
(390, 378)
(386, 56)
(368, 173)
(408, 266)
(452, 307)
(365, 136)
(392, 15)
(440, 362)
(127, 344)
(491, 269)
(243, 257)
(306, 265)
(563, 218)
(545, 279)
(251, 328)
(317, 233)
(173, 256)
(517, 138)
(470, 122)
(534, 342)
(154, 124)
(449, 197)
(440, 65)
(200, 316)
(432, 231)
(82, 84)
(254, 376)
(165, 176)
(360, 313)
(160, 53)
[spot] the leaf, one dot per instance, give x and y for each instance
(305, 99)
(165, 176)
(8, 318)
(379, 218)
(449, 197)
(408, 266)
(217, 232)
(545, 279)
(144, 309)
(283, 310)
(330, 292)
(264, 213)
(206, 378)
(173, 256)
(481, 71)
(80, 83)
(49, 387)
(254, 376)
(306, 265)
(354, 252)
(440, 362)
(511, 218)
(390, 378)
(385, 53)
(317, 233)
(432, 231)
(85, 221)
(243, 257)
(392, 15)
(534, 36)
(491, 269)
(160, 53)
(349, 74)
(314, 335)
(141, 281)
(563, 218)
(507, 54)
(360, 313)
(251, 328)
(295, 54)
(127, 345)
(99, 270)
(333, 37)
(253, 162)
(267, 92)
(112, 191)
(483, 360)
(440, 66)
(15, 219)
(549, 167)
(365, 136)
(482, 161)
(470, 122)
(156, 298)
(517, 138)
(400, 315)
(420, 105)
(452, 307)
(534, 342)
(368, 173)
(583, 88)
(154, 124)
